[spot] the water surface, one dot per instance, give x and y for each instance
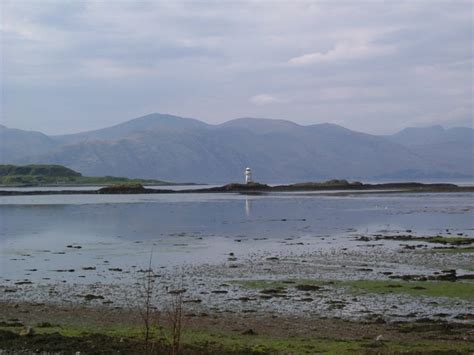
(70, 232)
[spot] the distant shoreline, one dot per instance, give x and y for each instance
(20, 186)
(52, 175)
(257, 189)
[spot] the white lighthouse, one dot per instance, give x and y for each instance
(248, 176)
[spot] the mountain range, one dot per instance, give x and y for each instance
(167, 147)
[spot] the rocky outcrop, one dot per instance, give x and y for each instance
(129, 189)
(256, 188)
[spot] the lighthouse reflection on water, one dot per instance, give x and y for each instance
(248, 206)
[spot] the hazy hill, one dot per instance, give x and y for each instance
(182, 149)
(152, 122)
(412, 136)
(16, 144)
(449, 149)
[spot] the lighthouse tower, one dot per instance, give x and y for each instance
(248, 176)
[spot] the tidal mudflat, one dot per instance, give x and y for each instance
(396, 265)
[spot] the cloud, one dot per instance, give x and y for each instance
(352, 93)
(344, 51)
(364, 63)
(263, 99)
(109, 69)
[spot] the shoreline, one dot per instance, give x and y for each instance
(257, 188)
(223, 333)
(66, 327)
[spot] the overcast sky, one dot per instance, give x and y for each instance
(371, 66)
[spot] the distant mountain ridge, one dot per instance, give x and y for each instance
(167, 147)
(413, 136)
(140, 124)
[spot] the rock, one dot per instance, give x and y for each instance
(90, 297)
(26, 282)
(272, 291)
(195, 300)
(244, 299)
(465, 316)
(124, 189)
(249, 332)
(307, 288)
(449, 271)
(11, 323)
(28, 331)
(44, 325)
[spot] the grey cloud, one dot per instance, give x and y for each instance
(371, 66)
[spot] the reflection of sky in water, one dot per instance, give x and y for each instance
(188, 228)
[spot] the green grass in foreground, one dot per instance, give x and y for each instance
(234, 342)
(462, 290)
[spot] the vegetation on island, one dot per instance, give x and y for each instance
(50, 174)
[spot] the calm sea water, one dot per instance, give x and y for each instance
(50, 233)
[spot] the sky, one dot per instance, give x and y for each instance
(371, 66)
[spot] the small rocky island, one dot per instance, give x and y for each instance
(259, 188)
(56, 175)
